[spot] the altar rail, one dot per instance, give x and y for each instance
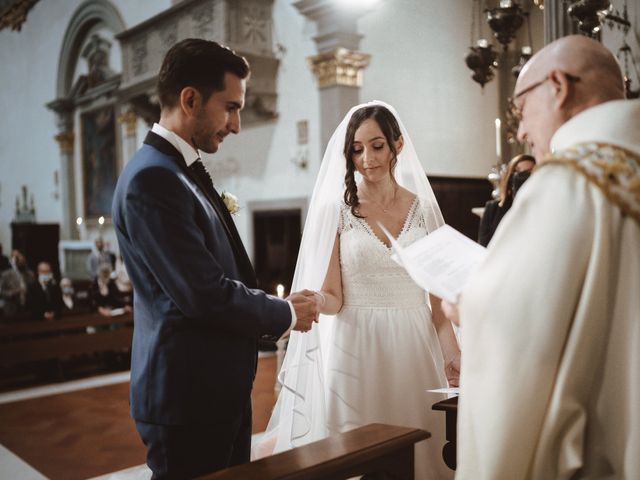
(372, 449)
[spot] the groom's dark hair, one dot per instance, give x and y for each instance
(391, 130)
(200, 64)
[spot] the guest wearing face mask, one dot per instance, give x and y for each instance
(44, 297)
(73, 302)
(518, 171)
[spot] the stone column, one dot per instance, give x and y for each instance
(557, 22)
(338, 65)
(66, 141)
(130, 121)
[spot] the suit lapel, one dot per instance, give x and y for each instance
(216, 202)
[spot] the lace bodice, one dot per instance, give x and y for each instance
(370, 278)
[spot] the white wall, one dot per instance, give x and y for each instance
(418, 50)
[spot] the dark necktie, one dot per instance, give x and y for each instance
(201, 173)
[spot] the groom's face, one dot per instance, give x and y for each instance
(220, 115)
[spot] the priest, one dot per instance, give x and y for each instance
(550, 380)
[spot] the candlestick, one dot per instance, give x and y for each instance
(498, 139)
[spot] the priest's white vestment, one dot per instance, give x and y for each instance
(550, 380)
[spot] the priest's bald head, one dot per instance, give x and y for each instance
(563, 79)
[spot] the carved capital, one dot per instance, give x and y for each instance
(339, 67)
(130, 120)
(14, 13)
(65, 141)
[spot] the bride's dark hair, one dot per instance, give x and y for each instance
(391, 130)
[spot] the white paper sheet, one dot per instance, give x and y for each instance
(448, 391)
(441, 262)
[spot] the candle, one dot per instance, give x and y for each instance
(498, 139)
(280, 290)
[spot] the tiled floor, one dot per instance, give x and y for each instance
(82, 429)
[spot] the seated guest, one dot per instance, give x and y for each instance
(123, 283)
(101, 255)
(13, 285)
(517, 173)
(44, 298)
(104, 293)
(72, 302)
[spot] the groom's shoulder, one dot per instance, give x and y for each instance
(148, 158)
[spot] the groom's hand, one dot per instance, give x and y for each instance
(306, 307)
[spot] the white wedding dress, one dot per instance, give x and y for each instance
(384, 350)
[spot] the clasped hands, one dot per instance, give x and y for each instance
(306, 304)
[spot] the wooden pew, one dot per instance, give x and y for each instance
(59, 339)
(371, 449)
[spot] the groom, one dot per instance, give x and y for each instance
(198, 314)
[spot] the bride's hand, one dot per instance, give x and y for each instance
(452, 371)
(321, 300)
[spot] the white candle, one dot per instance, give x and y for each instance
(498, 139)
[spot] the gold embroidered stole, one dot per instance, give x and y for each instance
(614, 170)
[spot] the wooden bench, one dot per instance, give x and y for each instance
(372, 449)
(59, 339)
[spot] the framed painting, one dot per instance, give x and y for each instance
(99, 161)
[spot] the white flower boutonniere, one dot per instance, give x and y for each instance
(231, 202)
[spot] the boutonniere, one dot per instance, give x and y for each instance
(231, 202)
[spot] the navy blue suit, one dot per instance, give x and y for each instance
(197, 314)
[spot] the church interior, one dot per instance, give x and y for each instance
(78, 92)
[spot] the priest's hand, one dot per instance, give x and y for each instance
(306, 307)
(450, 311)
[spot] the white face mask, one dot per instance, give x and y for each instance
(44, 277)
(67, 290)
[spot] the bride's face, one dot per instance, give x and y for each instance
(371, 152)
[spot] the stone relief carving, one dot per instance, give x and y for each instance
(139, 54)
(169, 35)
(96, 53)
(255, 24)
(202, 18)
(243, 25)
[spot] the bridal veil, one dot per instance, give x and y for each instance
(299, 416)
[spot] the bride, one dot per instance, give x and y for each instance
(381, 341)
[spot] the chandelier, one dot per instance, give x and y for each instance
(482, 58)
(504, 20)
(620, 20)
(589, 15)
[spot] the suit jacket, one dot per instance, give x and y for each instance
(41, 300)
(196, 321)
(490, 220)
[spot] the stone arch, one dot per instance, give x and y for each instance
(86, 16)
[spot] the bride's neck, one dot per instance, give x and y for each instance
(382, 191)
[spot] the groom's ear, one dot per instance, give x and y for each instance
(399, 144)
